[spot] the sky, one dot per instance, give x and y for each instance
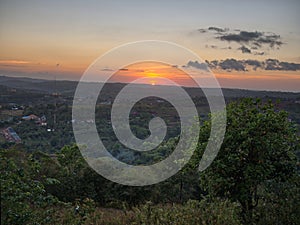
(247, 44)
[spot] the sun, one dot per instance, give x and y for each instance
(152, 83)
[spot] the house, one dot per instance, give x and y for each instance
(42, 121)
(11, 136)
(30, 117)
(38, 120)
(43, 118)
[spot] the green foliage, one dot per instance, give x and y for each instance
(193, 212)
(259, 145)
(279, 203)
(255, 171)
(22, 197)
(81, 212)
(75, 177)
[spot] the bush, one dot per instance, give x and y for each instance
(192, 212)
(23, 200)
(279, 203)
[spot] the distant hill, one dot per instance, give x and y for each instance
(65, 87)
(39, 85)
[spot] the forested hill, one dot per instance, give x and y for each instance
(68, 87)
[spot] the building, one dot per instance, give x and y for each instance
(42, 121)
(30, 117)
(11, 136)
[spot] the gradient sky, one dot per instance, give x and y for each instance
(44, 39)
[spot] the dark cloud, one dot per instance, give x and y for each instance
(213, 29)
(244, 49)
(253, 63)
(241, 37)
(123, 69)
(244, 65)
(197, 65)
(232, 64)
(217, 29)
(274, 64)
(248, 40)
(272, 40)
(255, 39)
(212, 64)
(289, 66)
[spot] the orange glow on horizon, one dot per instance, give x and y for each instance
(260, 79)
(152, 70)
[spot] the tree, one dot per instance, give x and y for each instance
(259, 145)
(23, 199)
(76, 178)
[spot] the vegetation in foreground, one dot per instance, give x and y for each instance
(253, 180)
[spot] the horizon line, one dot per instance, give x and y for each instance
(73, 80)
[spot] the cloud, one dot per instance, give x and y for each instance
(16, 63)
(253, 63)
(244, 49)
(255, 39)
(212, 64)
(242, 36)
(217, 29)
(274, 64)
(213, 29)
(13, 62)
(13, 65)
(232, 64)
(248, 40)
(244, 65)
(197, 65)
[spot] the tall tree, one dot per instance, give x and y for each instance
(259, 145)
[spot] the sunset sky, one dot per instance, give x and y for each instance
(247, 44)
